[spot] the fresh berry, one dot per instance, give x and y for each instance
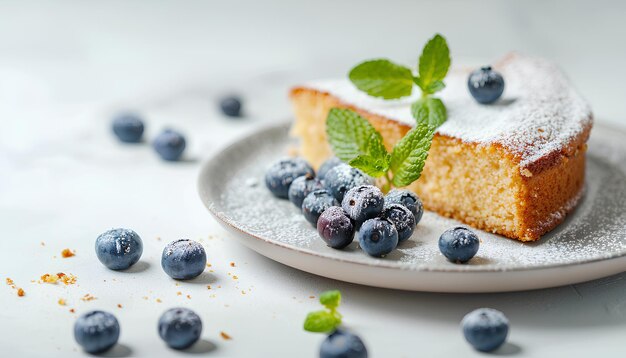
(378, 237)
(342, 344)
(280, 175)
(128, 127)
(180, 327)
(183, 259)
(328, 165)
(458, 244)
(401, 218)
(301, 187)
(341, 178)
(96, 331)
(363, 202)
(170, 145)
(119, 249)
(408, 199)
(485, 85)
(335, 228)
(485, 329)
(316, 203)
(231, 106)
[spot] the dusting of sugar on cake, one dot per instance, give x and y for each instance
(539, 113)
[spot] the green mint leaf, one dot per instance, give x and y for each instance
(433, 64)
(321, 321)
(410, 153)
(436, 86)
(376, 163)
(382, 78)
(330, 299)
(430, 111)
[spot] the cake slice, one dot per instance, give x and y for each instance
(514, 168)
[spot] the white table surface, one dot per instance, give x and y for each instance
(66, 67)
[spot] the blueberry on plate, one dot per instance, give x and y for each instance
(128, 127)
(231, 106)
(341, 178)
(183, 259)
(335, 228)
(301, 187)
(280, 175)
(328, 165)
(485, 85)
(459, 244)
(402, 218)
(170, 145)
(378, 237)
(363, 202)
(485, 329)
(316, 203)
(96, 331)
(180, 327)
(119, 249)
(408, 199)
(342, 344)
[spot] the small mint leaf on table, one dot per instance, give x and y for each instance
(382, 78)
(410, 153)
(321, 322)
(330, 299)
(434, 63)
(429, 110)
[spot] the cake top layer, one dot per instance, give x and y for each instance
(539, 112)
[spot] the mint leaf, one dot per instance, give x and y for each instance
(410, 153)
(382, 78)
(434, 63)
(330, 299)
(321, 321)
(430, 111)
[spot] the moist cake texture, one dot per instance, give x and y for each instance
(515, 167)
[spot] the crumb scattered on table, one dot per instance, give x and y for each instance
(72, 310)
(88, 297)
(232, 264)
(62, 302)
(158, 300)
(20, 292)
(119, 305)
(225, 336)
(189, 297)
(67, 279)
(67, 253)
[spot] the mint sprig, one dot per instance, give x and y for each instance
(327, 320)
(382, 78)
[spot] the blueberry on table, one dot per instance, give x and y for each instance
(301, 187)
(119, 249)
(402, 218)
(180, 327)
(342, 344)
(459, 244)
(408, 199)
(316, 203)
(328, 165)
(128, 127)
(378, 237)
(335, 228)
(485, 329)
(231, 106)
(280, 175)
(363, 202)
(183, 259)
(96, 331)
(485, 85)
(170, 145)
(341, 178)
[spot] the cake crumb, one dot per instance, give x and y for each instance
(235, 277)
(62, 302)
(225, 336)
(67, 253)
(72, 310)
(158, 300)
(54, 278)
(208, 265)
(119, 305)
(232, 264)
(42, 243)
(208, 287)
(179, 293)
(88, 297)
(188, 297)
(20, 292)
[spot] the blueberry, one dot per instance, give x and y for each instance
(363, 202)
(231, 106)
(458, 244)
(342, 344)
(378, 237)
(316, 203)
(183, 259)
(128, 127)
(301, 187)
(119, 249)
(280, 175)
(335, 228)
(170, 145)
(180, 327)
(328, 165)
(96, 331)
(341, 178)
(485, 85)
(408, 199)
(485, 329)
(401, 218)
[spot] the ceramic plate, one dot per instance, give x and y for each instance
(590, 244)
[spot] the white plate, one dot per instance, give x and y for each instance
(590, 244)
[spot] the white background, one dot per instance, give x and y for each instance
(66, 66)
